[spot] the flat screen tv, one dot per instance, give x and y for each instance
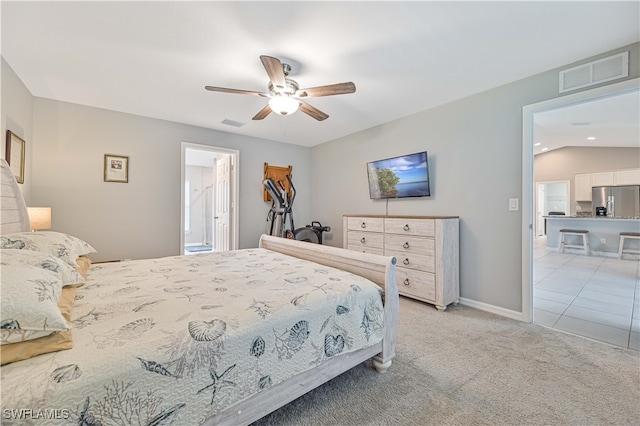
(399, 177)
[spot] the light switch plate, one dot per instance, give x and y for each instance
(514, 204)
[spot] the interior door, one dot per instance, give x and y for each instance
(222, 215)
(540, 203)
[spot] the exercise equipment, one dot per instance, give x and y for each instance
(311, 233)
(281, 214)
(281, 207)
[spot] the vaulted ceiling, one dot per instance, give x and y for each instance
(154, 58)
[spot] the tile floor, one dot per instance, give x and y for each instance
(594, 297)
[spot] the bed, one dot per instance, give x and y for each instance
(221, 338)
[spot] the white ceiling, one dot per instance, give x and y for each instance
(612, 121)
(154, 58)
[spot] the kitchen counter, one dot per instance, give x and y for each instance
(592, 217)
(604, 232)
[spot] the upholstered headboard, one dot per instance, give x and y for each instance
(13, 211)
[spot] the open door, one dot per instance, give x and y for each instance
(208, 199)
(540, 208)
(552, 198)
(223, 190)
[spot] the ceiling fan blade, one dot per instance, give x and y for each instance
(275, 71)
(262, 113)
(331, 89)
(236, 91)
(313, 111)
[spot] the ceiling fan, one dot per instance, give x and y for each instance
(285, 96)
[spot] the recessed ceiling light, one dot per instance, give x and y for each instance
(537, 144)
(544, 149)
(591, 138)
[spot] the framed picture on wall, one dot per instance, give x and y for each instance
(116, 168)
(14, 154)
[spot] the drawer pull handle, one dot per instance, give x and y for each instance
(406, 245)
(406, 281)
(364, 225)
(406, 227)
(406, 261)
(362, 240)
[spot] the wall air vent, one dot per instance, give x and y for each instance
(232, 123)
(596, 72)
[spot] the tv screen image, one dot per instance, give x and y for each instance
(399, 177)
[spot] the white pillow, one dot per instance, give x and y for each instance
(62, 246)
(68, 274)
(29, 303)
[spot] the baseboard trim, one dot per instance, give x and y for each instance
(515, 315)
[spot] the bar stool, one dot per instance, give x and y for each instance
(577, 232)
(623, 237)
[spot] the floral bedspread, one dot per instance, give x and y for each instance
(177, 339)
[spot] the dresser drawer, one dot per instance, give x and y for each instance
(410, 226)
(360, 240)
(365, 224)
(370, 250)
(413, 261)
(415, 283)
(408, 244)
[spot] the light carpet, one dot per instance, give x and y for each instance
(468, 367)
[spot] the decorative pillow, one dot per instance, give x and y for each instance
(68, 274)
(63, 246)
(29, 303)
(55, 342)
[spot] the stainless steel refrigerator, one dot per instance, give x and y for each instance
(619, 201)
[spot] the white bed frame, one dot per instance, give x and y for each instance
(379, 269)
(13, 211)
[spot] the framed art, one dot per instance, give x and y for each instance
(14, 154)
(116, 168)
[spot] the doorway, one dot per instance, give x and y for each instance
(209, 208)
(529, 211)
(551, 198)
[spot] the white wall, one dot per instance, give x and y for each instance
(141, 219)
(17, 116)
(199, 179)
(564, 163)
(475, 156)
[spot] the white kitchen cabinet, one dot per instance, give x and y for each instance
(627, 177)
(582, 183)
(425, 247)
(602, 179)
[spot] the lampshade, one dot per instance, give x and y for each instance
(39, 217)
(283, 104)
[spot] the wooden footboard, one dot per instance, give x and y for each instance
(379, 269)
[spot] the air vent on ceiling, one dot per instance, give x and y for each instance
(232, 123)
(596, 72)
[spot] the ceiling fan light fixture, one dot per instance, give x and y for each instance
(284, 93)
(283, 104)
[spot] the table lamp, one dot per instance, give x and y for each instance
(39, 218)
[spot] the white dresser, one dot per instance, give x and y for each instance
(426, 249)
